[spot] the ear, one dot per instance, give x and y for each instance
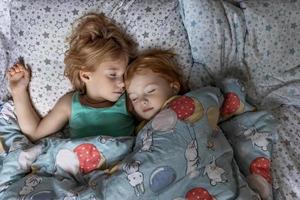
(85, 76)
(175, 87)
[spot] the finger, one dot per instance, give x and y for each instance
(12, 71)
(13, 68)
(25, 70)
(21, 67)
(17, 68)
(7, 74)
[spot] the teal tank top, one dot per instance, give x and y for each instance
(89, 121)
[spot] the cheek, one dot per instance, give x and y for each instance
(136, 107)
(162, 98)
(108, 82)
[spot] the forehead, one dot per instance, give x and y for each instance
(119, 64)
(143, 79)
(144, 75)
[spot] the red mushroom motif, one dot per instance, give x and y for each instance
(261, 166)
(198, 194)
(183, 106)
(89, 157)
(187, 108)
(231, 104)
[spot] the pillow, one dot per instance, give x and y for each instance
(39, 29)
(199, 76)
(216, 32)
(272, 47)
(4, 45)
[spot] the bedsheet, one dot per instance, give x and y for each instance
(180, 154)
(254, 39)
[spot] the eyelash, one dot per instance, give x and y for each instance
(134, 100)
(112, 75)
(151, 91)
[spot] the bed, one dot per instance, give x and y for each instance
(256, 41)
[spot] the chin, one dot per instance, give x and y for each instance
(114, 99)
(148, 116)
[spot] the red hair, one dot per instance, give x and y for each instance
(159, 61)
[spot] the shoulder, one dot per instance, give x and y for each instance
(64, 103)
(67, 98)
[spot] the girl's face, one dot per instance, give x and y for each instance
(148, 92)
(106, 83)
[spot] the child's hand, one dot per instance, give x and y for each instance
(18, 78)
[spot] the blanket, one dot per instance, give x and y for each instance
(180, 154)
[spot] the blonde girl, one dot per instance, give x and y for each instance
(95, 63)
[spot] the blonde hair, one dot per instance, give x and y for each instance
(94, 40)
(159, 61)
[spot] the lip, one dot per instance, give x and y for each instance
(118, 93)
(147, 109)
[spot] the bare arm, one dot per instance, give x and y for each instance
(36, 128)
(54, 120)
(30, 122)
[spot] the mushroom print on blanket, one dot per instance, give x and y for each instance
(214, 173)
(84, 158)
(260, 177)
(261, 166)
(198, 194)
(232, 105)
(187, 109)
(135, 177)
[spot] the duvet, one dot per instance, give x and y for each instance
(207, 144)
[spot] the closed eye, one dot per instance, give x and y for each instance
(134, 100)
(151, 91)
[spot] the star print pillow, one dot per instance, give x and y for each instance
(216, 31)
(39, 29)
(4, 35)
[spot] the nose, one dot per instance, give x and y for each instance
(144, 101)
(121, 83)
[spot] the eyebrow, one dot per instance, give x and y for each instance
(150, 84)
(111, 68)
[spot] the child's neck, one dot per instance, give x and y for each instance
(85, 100)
